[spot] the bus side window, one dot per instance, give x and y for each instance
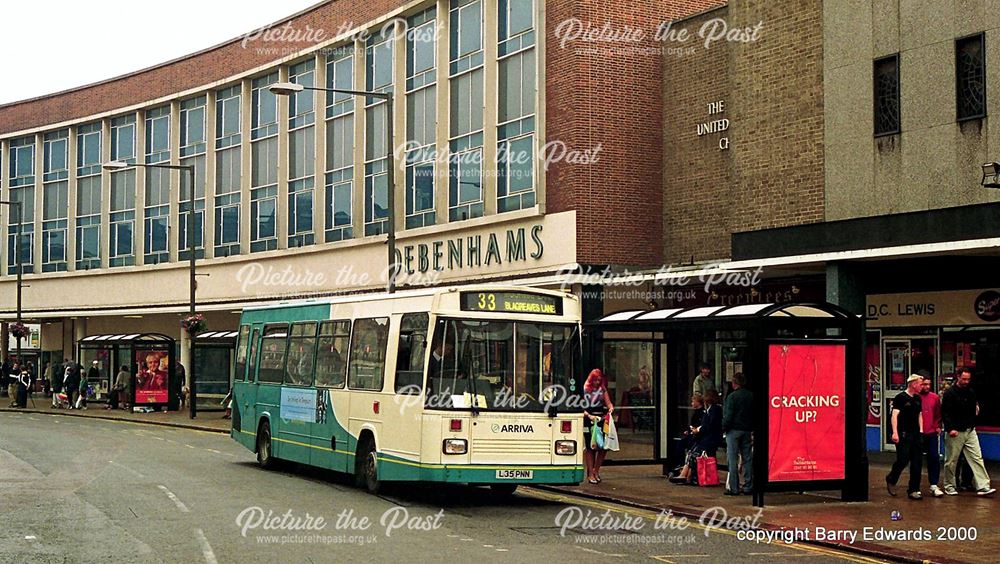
(366, 365)
(410, 356)
(331, 353)
(274, 346)
(241, 353)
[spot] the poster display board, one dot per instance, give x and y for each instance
(806, 412)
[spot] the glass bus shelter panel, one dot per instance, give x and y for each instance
(628, 368)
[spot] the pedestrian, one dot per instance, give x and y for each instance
(121, 385)
(12, 377)
(597, 404)
(55, 376)
(44, 375)
(71, 382)
(707, 437)
(703, 381)
(959, 410)
(737, 424)
(85, 381)
(907, 430)
(930, 405)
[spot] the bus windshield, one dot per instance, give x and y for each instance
(503, 366)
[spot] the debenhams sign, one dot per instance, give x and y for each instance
(473, 251)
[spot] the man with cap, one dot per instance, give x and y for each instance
(907, 429)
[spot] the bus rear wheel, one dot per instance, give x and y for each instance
(367, 467)
(265, 458)
(503, 490)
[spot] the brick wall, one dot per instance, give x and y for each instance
(772, 174)
(697, 204)
(610, 93)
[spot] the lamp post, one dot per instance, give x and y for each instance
(17, 265)
(289, 88)
(192, 283)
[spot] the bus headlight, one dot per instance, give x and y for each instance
(566, 447)
(457, 446)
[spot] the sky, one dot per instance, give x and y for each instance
(53, 45)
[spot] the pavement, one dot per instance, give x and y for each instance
(807, 514)
(645, 486)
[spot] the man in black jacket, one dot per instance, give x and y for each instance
(72, 382)
(737, 424)
(959, 410)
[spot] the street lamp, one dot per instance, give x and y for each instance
(289, 88)
(18, 266)
(192, 284)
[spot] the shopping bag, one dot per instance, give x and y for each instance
(596, 436)
(708, 471)
(611, 437)
(79, 401)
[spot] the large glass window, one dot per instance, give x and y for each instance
(331, 353)
(465, 184)
(339, 146)
(378, 57)
(301, 156)
(421, 118)
(55, 201)
(157, 206)
(518, 366)
(24, 195)
(242, 347)
(265, 107)
(88, 196)
(227, 202)
(227, 117)
(301, 354)
(516, 106)
(366, 368)
(264, 195)
(21, 167)
(192, 152)
(120, 246)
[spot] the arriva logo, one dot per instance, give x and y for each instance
(497, 428)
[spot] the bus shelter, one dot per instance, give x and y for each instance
(150, 359)
(214, 357)
(803, 363)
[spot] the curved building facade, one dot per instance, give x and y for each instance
(514, 154)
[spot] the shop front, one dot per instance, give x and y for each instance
(936, 332)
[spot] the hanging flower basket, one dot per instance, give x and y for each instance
(194, 324)
(19, 330)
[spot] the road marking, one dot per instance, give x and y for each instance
(502, 550)
(592, 551)
(213, 450)
(126, 468)
(666, 557)
(574, 500)
(189, 446)
(180, 504)
(30, 537)
(206, 548)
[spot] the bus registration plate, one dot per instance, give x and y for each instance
(514, 474)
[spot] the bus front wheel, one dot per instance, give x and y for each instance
(367, 467)
(264, 456)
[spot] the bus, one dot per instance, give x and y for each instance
(475, 385)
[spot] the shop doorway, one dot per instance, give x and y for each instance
(902, 356)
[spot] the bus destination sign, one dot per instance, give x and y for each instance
(512, 302)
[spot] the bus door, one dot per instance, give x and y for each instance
(247, 404)
(329, 432)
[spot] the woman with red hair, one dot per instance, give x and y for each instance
(597, 404)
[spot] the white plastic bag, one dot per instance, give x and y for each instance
(611, 437)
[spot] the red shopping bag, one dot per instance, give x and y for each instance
(708, 471)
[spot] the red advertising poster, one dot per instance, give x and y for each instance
(806, 412)
(151, 382)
